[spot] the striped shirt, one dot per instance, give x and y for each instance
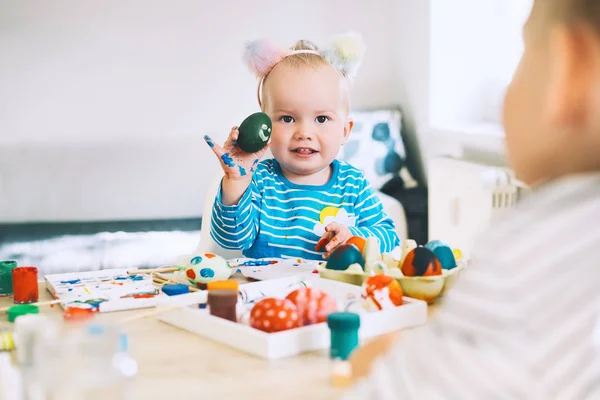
(522, 321)
(278, 218)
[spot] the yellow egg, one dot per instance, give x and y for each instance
(457, 254)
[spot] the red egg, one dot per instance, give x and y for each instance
(421, 261)
(314, 305)
(274, 315)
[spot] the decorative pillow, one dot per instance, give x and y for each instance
(376, 148)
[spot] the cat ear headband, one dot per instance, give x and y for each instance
(344, 53)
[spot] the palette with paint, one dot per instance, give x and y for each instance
(103, 291)
(272, 268)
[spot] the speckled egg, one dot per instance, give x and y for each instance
(381, 292)
(343, 256)
(421, 261)
(274, 315)
(204, 268)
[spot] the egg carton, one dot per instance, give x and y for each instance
(426, 288)
(271, 346)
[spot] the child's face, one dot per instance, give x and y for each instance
(308, 107)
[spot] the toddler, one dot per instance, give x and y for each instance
(303, 202)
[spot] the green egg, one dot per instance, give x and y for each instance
(344, 256)
(255, 132)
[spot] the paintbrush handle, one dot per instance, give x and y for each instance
(41, 303)
(153, 270)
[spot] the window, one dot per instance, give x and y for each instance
(475, 48)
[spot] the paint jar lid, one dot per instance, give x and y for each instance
(175, 289)
(228, 284)
(17, 311)
(343, 321)
(222, 298)
(8, 264)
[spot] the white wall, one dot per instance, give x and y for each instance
(119, 93)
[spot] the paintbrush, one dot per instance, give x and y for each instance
(170, 304)
(41, 303)
(153, 270)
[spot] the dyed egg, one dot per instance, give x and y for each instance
(407, 246)
(359, 242)
(421, 262)
(343, 256)
(205, 268)
(254, 132)
(381, 292)
(274, 315)
(443, 252)
(314, 305)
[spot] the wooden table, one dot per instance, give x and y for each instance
(175, 364)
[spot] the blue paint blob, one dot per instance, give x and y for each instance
(136, 277)
(242, 170)
(227, 160)
(207, 273)
(209, 141)
(196, 260)
(71, 282)
(121, 278)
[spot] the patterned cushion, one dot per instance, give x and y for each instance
(375, 146)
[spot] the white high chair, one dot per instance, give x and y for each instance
(207, 245)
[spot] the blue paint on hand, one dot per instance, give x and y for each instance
(242, 170)
(209, 141)
(227, 160)
(234, 142)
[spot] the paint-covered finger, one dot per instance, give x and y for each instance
(218, 150)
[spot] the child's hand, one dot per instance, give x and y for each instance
(236, 163)
(335, 234)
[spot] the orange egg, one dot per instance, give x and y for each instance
(382, 291)
(421, 261)
(359, 242)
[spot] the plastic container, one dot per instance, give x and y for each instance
(344, 328)
(222, 304)
(6, 283)
(25, 285)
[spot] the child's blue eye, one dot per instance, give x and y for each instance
(287, 119)
(322, 119)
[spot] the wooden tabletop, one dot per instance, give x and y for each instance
(176, 364)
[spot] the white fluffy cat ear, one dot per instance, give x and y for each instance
(262, 55)
(345, 52)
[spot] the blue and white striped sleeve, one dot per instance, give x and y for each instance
(235, 227)
(372, 220)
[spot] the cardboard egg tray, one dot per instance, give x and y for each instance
(288, 343)
(426, 288)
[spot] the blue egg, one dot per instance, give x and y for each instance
(207, 273)
(196, 260)
(432, 244)
(446, 256)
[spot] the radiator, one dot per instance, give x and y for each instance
(464, 197)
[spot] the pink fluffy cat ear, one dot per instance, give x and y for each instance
(262, 55)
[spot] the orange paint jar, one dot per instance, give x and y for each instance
(25, 285)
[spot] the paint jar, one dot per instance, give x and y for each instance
(6, 283)
(222, 304)
(25, 285)
(343, 328)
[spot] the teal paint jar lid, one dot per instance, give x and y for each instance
(344, 334)
(6, 283)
